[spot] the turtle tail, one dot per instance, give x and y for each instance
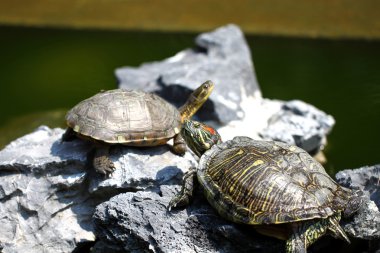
(335, 229)
(347, 200)
(354, 203)
(307, 232)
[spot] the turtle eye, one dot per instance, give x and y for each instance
(196, 125)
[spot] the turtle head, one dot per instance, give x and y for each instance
(203, 92)
(199, 137)
(196, 100)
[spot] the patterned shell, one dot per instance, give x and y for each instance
(125, 117)
(267, 182)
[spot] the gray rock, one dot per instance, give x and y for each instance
(236, 104)
(366, 179)
(140, 222)
(222, 56)
(43, 207)
(141, 168)
(366, 224)
(299, 124)
(48, 194)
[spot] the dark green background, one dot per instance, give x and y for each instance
(43, 72)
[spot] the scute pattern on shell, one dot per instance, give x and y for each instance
(261, 182)
(126, 117)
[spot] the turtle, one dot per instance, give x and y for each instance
(276, 187)
(132, 118)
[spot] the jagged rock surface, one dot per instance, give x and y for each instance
(140, 222)
(43, 207)
(48, 197)
(299, 124)
(366, 179)
(222, 56)
(236, 106)
(48, 194)
(366, 224)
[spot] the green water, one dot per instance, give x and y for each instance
(43, 72)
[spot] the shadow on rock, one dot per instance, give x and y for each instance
(141, 221)
(169, 175)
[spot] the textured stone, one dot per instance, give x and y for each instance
(236, 106)
(141, 168)
(48, 193)
(222, 56)
(43, 207)
(47, 198)
(299, 124)
(366, 179)
(140, 222)
(366, 224)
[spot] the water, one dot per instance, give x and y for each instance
(46, 71)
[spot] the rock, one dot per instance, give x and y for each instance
(43, 207)
(141, 168)
(48, 194)
(299, 124)
(222, 56)
(366, 179)
(140, 222)
(366, 224)
(236, 106)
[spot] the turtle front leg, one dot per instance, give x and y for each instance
(179, 145)
(101, 161)
(184, 196)
(69, 135)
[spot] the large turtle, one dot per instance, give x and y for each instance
(130, 117)
(277, 187)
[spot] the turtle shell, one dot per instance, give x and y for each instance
(133, 118)
(267, 182)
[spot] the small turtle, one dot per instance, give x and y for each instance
(132, 118)
(277, 187)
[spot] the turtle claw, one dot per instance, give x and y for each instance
(183, 198)
(104, 165)
(178, 201)
(170, 205)
(101, 161)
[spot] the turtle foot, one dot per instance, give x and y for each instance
(68, 135)
(179, 150)
(179, 147)
(178, 201)
(185, 195)
(104, 165)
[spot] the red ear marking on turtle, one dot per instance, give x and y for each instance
(210, 129)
